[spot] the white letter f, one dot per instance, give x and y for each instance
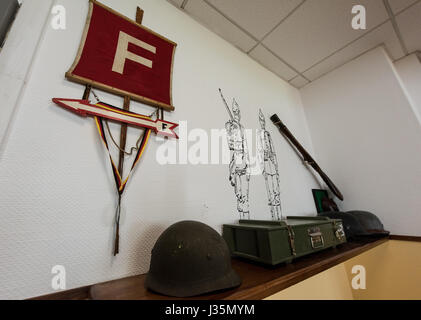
(122, 52)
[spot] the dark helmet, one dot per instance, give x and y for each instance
(370, 222)
(188, 259)
(358, 224)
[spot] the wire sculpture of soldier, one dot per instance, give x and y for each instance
(239, 167)
(269, 169)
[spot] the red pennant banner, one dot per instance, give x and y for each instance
(118, 55)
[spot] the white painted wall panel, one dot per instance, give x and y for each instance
(17, 55)
(364, 129)
(409, 71)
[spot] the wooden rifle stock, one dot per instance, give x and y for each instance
(306, 156)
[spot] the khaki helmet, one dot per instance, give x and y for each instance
(188, 259)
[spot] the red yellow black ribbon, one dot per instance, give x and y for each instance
(120, 183)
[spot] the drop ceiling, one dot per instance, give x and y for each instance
(302, 40)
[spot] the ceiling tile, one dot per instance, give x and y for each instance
(257, 17)
(209, 17)
(299, 82)
(177, 3)
(320, 27)
(399, 5)
(381, 35)
(409, 23)
(271, 62)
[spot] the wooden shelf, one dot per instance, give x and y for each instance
(258, 281)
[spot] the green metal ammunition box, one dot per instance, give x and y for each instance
(274, 242)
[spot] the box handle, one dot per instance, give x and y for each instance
(316, 238)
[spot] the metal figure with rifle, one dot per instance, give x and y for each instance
(239, 168)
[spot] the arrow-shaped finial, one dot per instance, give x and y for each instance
(84, 108)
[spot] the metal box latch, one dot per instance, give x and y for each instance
(316, 238)
(339, 231)
(291, 236)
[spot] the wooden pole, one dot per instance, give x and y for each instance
(139, 15)
(123, 137)
(126, 106)
(87, 92)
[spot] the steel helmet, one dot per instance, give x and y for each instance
(189, 259)
(370, 222)
(358, 224)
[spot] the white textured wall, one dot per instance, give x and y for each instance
(364, 129)
(56, 188)
(16, 59)
(409, 71)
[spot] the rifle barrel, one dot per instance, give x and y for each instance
(226, 105)
(306, 156)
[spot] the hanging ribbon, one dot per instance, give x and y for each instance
(120, 183)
